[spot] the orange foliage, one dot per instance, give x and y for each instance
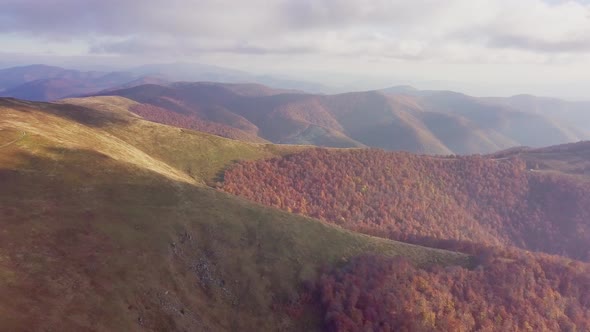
(425, 199)
(376, 293)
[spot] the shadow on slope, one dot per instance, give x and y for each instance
(80, 114)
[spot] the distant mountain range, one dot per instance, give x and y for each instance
(193, 72)
(402, 118)
(47, 83)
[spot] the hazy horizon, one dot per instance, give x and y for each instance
(481, 47)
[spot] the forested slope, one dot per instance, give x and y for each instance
(416, 198)
(526, 293)
(486, 207)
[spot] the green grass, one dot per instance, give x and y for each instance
(103, 229)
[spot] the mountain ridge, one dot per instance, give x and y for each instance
(49, 83)
(434, 122)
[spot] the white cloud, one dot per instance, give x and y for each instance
(534, 25)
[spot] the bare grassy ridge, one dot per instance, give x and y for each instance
(106, 226)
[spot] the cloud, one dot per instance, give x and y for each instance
(139, 46)
(535, 26)
(74, 18)
(306, 14)
(540, 45)
(419, 30)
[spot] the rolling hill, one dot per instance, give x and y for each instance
(426, 122)
(107, 224)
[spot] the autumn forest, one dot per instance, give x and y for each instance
(513, 219)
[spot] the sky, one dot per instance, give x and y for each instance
(483, 47)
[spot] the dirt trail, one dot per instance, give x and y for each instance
(14, 141)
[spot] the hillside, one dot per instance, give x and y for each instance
(422, 199)
(427, 122)
(106, 225)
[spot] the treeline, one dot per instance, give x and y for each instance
(529, 293)
(425, 199)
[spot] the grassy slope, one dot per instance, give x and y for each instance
(102, 228)
(201, 156)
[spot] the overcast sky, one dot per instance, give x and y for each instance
(479, 46)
